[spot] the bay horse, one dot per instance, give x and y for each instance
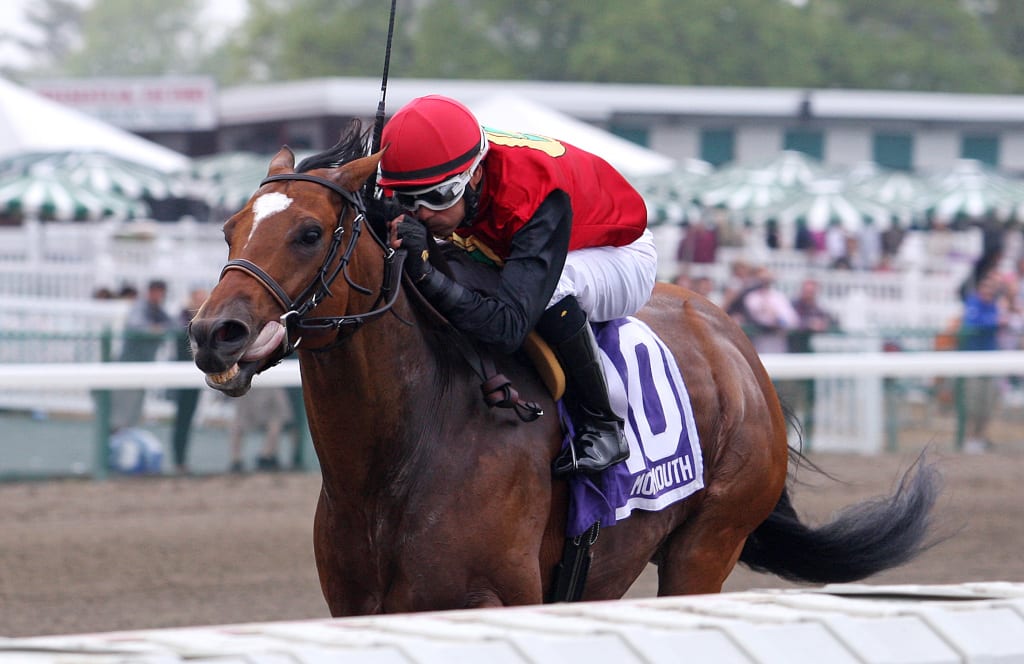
(431, 500)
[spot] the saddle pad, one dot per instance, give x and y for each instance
(665, 464)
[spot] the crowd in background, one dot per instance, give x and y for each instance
(991, 318)
(149, 330)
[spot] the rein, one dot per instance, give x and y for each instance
(496, 388)
(295, 318)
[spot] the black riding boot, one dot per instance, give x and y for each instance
(599, 441)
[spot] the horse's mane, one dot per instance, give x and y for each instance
(352, 144)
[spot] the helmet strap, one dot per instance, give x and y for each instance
(471, 197)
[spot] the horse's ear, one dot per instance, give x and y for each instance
(355, 173)
(283, 161)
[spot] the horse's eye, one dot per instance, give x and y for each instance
(310, 236)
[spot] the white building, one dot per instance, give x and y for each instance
(905, 130)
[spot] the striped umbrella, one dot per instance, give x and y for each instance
(226, 181)
(907, 195)
(100, 171)
(225, 165)
(54, 197)
(788, 168)
(971, 191)
(670, 197)
(826, 203)
(747, 195)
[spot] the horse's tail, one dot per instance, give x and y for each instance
(863, 539)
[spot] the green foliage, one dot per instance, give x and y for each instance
(136, 37)
(947, 45)
(57, 24)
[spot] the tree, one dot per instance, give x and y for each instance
(1004, 20)
(310, 38)
(57, 25)
(138, 37)
(948, 45)
(931, 45)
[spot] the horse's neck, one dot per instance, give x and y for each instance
(377, 400)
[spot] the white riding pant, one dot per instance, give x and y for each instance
(610, 282)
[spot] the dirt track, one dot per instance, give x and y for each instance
(85, 556)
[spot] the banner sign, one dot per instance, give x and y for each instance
(166, 103)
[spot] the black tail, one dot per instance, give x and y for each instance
(861, 540)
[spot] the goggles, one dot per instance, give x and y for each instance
(438, 197)
(442, 195)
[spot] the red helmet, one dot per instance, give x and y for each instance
(429, 140)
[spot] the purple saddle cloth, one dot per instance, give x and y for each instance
(647, 391)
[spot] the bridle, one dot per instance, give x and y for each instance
(295, 318)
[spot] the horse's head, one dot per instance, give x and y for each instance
(297, 233)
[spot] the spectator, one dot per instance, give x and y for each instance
(741, 278)
(979, 328)
(127, 292)
(985, 265)
(146, 330)
(261, 409)
(813, 318)
(186, 399)
(704, 286)
(699, 243)
(837, 247)
(766, 314)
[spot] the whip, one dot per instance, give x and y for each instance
(378, 125)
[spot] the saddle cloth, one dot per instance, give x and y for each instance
(665, 464)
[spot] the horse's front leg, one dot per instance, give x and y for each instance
(349, 579)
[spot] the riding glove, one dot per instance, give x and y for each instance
(413, 235)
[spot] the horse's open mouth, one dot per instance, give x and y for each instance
(237, 378)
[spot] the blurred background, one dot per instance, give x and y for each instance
(839, 175)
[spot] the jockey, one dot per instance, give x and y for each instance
(569, 232)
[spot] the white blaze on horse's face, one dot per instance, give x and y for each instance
(266, 205)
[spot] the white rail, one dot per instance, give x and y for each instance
(796, 366)
(971, 622)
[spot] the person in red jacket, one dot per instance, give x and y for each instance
(569, 232)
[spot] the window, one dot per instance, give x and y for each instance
(983, 148)
(893, 151)
(638, 135)
(716, 146)
(811, 143)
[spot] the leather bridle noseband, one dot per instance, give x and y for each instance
(295, 318)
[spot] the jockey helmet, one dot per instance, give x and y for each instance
(428, 141)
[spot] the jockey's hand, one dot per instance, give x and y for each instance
(410, 234)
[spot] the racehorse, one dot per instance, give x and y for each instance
(432, 500)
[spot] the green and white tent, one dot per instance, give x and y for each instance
(55, 198)
(971, 191)
(226, 181)
(748, 195)
(99, 171)
(826, 203)
(905, 194)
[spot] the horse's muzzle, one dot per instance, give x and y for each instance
(218, 343)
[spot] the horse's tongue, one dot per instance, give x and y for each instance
(269, 339)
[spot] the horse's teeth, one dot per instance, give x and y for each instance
(224, 376)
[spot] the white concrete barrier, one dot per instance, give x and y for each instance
(974, 622)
